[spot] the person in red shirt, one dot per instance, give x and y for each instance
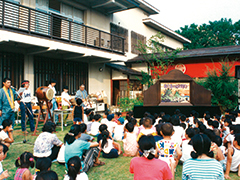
(147, 167)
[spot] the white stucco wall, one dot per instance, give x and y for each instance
(99, 81)
(29, 71)
(140, 67)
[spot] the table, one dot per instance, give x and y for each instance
(61, 112)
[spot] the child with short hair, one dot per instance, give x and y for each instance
(117, 115)
(104, 119)
(186, 147)
(84, 135)
(130, 145)
(111, 123)
(147, 167)
(119, 130)
(26, 161)
(47, 175)
(74, 167)
(147, 128)
(78, 112)
(3, 174)
(95, 125)
(42, 164)
(110, 148)
(169, 151)
(6, 136)
(233, 157)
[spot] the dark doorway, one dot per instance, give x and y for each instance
(115, 91)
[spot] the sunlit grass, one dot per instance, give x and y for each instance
(114, 169)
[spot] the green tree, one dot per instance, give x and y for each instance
(216, 33)
(223, 86)
(158, 59)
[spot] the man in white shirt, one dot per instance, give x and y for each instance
(54, 102)
(25, 105)
(65, 103)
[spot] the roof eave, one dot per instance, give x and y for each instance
(155, 25)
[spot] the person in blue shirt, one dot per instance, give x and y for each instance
(81, 93)
(7, 97)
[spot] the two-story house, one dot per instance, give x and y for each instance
(76, 42)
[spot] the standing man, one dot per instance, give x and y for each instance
(52, 85)
(7, 98)
(81, 93)
(25, 106)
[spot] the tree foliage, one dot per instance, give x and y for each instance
(223, 86)
(216, 33)
(158, 59)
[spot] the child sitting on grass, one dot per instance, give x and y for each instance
(147, 167)
(84, 135)
(42, 164)
(169, 151)
(110, 148)
(130, 145)
(6, 136)
(119, 130)
(26, 161)
(95, 125)
(186, 147)
(233, 157)
(74, 167)
(147, 128)
(3, 174)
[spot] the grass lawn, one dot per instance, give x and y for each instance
(114, 169)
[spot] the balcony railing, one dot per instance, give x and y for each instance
(35, 22)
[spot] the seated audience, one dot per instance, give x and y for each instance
(95, 125)
(42, 164)
(119, 130)
(47, 175)
(84, 135)
(186, 147)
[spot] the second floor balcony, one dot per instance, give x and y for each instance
(30, 21)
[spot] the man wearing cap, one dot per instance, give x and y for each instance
(25, 105)
(7, 98)
(65, 103)
(81, 93)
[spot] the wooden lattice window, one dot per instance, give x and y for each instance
(11, 66)
(122, 32)
(135, 38)
(67, 73)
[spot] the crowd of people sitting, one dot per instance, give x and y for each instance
(208, 146)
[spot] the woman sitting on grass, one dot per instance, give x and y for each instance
(76, 147)
(47, 144)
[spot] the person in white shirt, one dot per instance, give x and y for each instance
(74, 167)
(237, 121)
(65, 103)
(104, 119)
(25, 106)
(186, 147)
(119, 130)
(95, 125)
(111, 123)
(54, 102)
